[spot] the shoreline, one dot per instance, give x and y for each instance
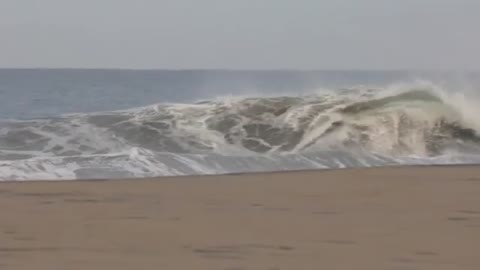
(209, 176)
(399, 217)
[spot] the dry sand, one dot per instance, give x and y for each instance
(389, 218)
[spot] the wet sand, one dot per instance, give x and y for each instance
(390, 218)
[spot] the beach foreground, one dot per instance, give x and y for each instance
(388, 218)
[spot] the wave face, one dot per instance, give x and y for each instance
(330, 129)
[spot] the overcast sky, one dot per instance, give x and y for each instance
(241, 34)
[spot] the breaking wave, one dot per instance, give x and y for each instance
(420, 124)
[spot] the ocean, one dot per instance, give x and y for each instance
(63, 124)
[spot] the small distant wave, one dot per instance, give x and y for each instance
(414, 124)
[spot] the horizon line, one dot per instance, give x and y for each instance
(247, 69)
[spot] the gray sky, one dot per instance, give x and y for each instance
(241, 34)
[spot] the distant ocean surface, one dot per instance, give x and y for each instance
(84, 124)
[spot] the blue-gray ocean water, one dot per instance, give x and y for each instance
(83, 124)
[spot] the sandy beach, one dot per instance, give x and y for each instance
(388, 218)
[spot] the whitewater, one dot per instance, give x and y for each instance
(396, 124)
